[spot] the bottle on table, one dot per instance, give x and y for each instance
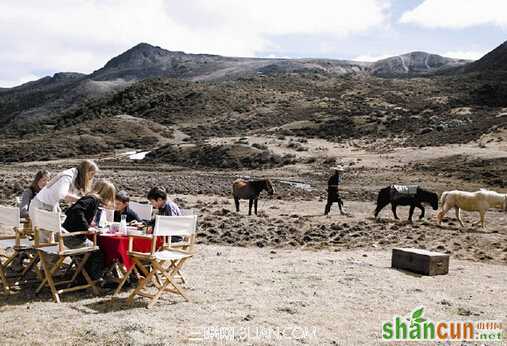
(123, 224)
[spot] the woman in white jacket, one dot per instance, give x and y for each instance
(68, 185)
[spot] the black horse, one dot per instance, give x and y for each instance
(392, 195)
(244, 189)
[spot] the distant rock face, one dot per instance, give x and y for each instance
(218, 156)
(496, 60)
(414, 63)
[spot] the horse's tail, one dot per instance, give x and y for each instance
(383, 198)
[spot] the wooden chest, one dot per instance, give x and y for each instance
(420, 261)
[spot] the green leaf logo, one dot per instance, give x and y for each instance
(417, 316)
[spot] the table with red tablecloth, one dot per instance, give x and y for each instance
(116, 247)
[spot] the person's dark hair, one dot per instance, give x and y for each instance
(122, 196)
(156, 193)
(35, 183)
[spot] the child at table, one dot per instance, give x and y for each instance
(79, 218)
(159, 200)
(41, 179)
(121, 207)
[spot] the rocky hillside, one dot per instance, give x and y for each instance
(51, 96)
(494, 61)
(414, 63)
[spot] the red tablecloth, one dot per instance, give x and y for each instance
(116, 248)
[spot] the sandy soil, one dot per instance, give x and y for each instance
(290, 265)
(314, 297)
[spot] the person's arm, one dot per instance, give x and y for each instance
(62, 189)
(71, 198)
(25, 203)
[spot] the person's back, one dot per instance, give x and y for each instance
(170, 209)
(80, 216)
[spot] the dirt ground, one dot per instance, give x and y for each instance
(282, 297)
(291, 266)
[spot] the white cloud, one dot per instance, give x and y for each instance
(457, 14)
(81, 35)
(468, 55)
(19, 81)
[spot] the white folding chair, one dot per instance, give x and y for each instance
(166, 261)
(9, 218)
(50, 222)
(144, 211)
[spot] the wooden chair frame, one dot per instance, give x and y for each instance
(9, 217)
(167, 269)
(50, 222)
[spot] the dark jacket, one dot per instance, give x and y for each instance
(131, 215)
(332, 187)
(80, 215)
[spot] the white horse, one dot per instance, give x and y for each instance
(479, 201)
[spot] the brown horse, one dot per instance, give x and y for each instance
(245, 189)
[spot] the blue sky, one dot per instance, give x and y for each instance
(40, 38)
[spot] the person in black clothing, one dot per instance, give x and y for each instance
(332, 190)
(79, 219)
(121, 207)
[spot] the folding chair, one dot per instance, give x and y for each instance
(184, 245)
(19, 243)
(167, 261)
(50, 222)
(144, 211)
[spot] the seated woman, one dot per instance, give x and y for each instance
(79, 219)
(121, 207)
(40, 180)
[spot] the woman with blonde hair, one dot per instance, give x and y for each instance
(68, 185)
(79, 219)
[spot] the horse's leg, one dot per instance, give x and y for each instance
(393, 208)
(379, 208)
(442, 212)
(255, 205)
(236, 201)
(420, 206)
(250, 202)
(411, 212)
(458, 216)
(483, 214)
